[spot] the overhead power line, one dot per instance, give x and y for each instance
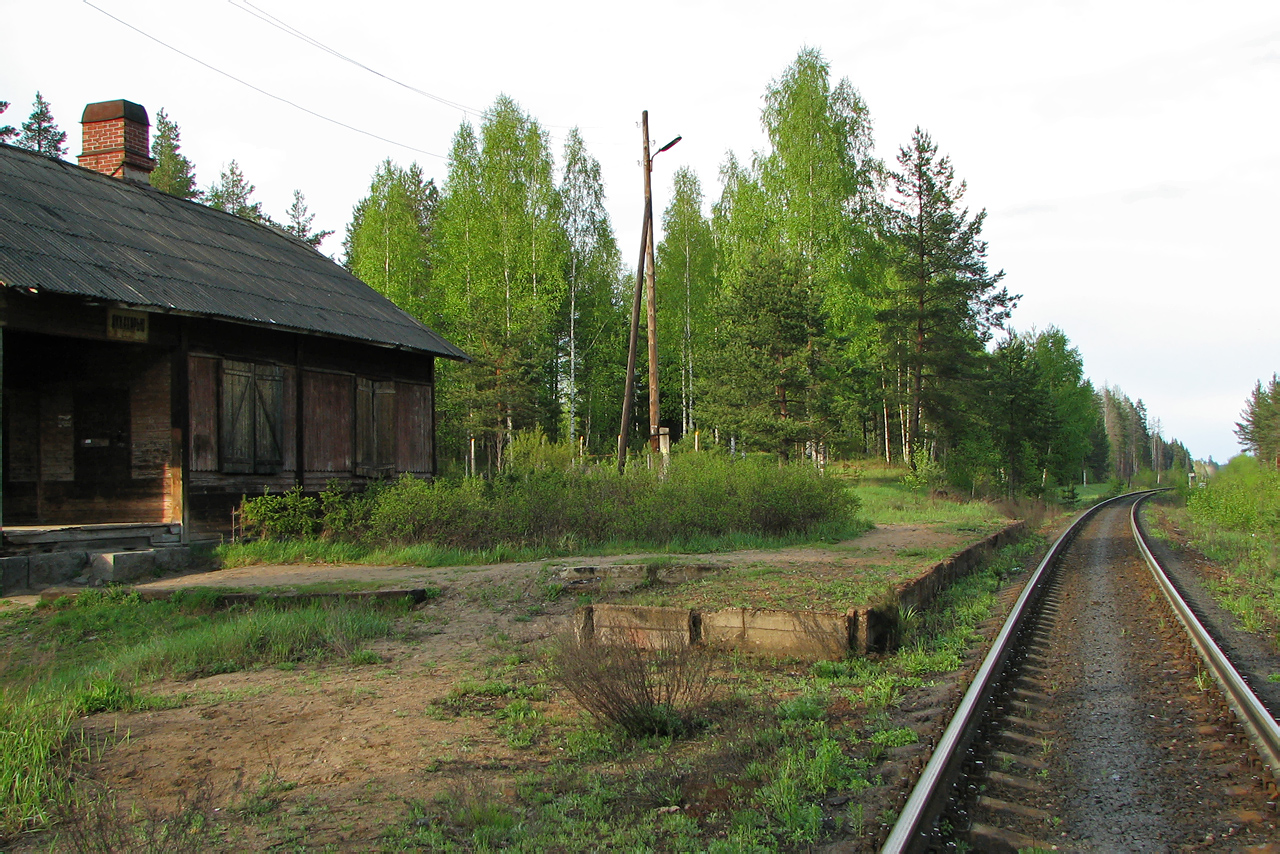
(285, 27)
(267, 18)
(260, 90)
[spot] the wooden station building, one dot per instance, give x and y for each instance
(161, 358)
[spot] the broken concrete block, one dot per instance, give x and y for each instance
(57, 567)
(113, 567)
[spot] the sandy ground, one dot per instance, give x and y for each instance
(334, 754)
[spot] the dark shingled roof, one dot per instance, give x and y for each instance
(69, 230)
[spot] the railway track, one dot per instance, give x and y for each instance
(1103, 719)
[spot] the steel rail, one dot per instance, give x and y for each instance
(915, 822)
(1261, 727)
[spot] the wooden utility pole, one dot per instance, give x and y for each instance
(650, 291)
(644, 275)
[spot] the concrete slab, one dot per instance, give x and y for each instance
(113, 567)
(801, 634)
(644, 626)
(57, 567)
(14, 573)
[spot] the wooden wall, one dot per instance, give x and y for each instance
(96, 430)
(88, 434)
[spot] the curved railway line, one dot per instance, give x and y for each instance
(1105, 718)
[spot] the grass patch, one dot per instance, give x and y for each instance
(94, 654)
(1235, 521)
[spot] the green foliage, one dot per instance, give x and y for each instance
(1259, 425)
(687, 285)
(388, 240)
(542, 500)
(287, 515)
(1243, 497)
(300, 221)
(7, 132)
(32, 778)
(768, 372)
(40, 133)
(940, 307)
(499, 267)
(233, 194)
(174, 173)
(592, 323)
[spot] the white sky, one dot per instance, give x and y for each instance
(1126, 152)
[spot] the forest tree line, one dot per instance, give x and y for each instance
(824, 303)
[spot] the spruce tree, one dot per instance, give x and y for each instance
(40, 132)
(1259, 427)
(174, 173)
(300, 220)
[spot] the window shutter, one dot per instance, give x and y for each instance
(237, 417)
(384, 422)
(366, 437)
(268, 419)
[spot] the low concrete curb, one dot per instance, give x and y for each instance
(799, 634)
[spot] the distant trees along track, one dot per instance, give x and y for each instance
(1105, 718)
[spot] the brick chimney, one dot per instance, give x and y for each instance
(117, 140)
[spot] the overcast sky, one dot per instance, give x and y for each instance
(1126, 152)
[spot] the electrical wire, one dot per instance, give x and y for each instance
(284, 26)
(267, 18)
(260, 90)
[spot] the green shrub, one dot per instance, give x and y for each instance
(290, 515)
(543, 500)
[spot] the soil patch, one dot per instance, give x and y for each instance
(343, 755)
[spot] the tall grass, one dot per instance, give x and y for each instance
(33, 733)
(701, 497)
(86, 656)
(1235, 521)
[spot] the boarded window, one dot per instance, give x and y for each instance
(375, 428)
(329, 431)
(203, 402)
(252, 419)
(413, 428)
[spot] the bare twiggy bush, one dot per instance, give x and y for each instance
(96, 824)
(655, 692)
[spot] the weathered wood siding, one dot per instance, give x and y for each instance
(414, 428)
(328, 401)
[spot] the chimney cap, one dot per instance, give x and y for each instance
(105, 111)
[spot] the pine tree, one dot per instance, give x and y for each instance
(944, 303)
(1259, 427)
(300, 220)
(40, 132)
(232, 193)
(7, 132)
(174, 173)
